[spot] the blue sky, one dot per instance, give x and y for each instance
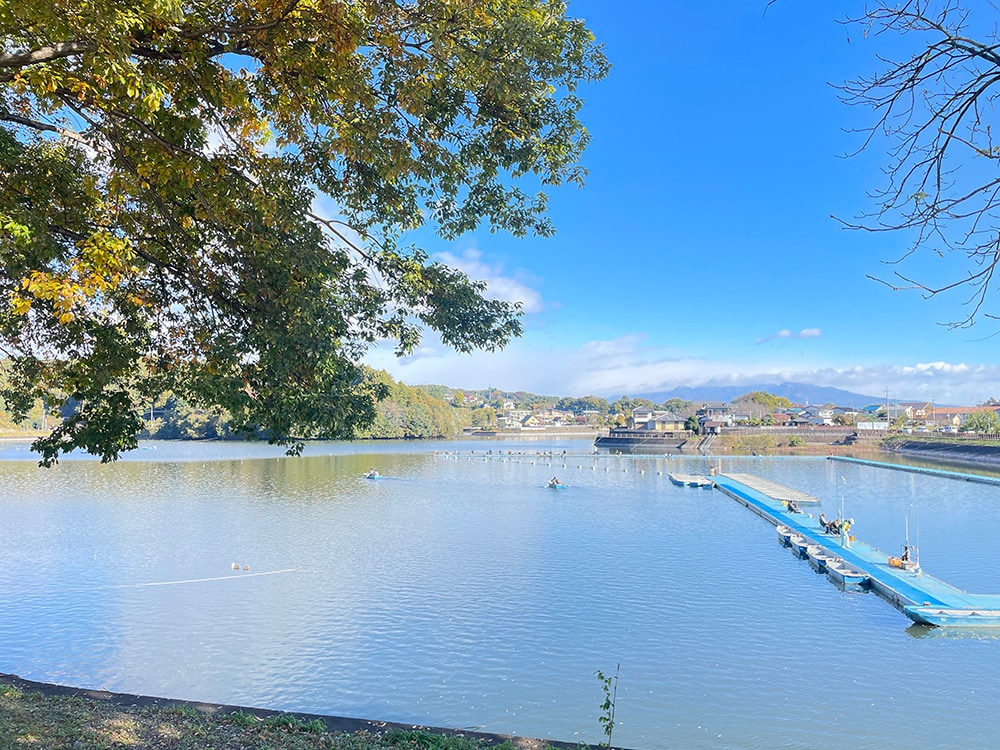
(701, 250)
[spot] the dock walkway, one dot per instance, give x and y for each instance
(922, 598)
(774, 490)
(921, 470)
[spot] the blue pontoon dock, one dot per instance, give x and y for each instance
(980, 478)
(922, 598)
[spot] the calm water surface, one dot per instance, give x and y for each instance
(458, 591)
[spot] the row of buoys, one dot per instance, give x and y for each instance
(516, 456)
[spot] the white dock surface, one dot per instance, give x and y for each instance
(775, 490)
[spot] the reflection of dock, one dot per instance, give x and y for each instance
(691, 480)
(922, 598)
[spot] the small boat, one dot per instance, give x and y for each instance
(785, 536)
(691, 480)
(373, 475)
(845, 574)
(944, 616)
(800, 546)
(556, 486)
(819, 558)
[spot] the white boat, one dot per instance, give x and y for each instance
(819, 558)
(800, 545)
(949, 617)
(845, 574)
(784, 536)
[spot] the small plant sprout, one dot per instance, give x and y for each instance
(610, 686)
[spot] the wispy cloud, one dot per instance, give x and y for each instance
(510, 287)
(805, 333)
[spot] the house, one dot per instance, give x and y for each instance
(918, 410)
(508, 423)
(898, 412)
(640, 417)
(954, 416)
(665, 421)
(817, 415)
(720, 413)
(805, 419)
(845, 412)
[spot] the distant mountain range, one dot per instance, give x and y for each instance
(797, 393)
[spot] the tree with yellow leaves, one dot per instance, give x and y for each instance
(161, 164)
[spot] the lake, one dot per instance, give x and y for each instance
(458, 591)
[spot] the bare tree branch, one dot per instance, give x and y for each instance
(934, 110)
(44, 54)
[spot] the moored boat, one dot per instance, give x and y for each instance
(691, 480)
(820, 557)
(800, 545)
(845, 574)
(944, 616)
(784, 536)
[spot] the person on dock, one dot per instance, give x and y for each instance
(823, 523)
(845, 532)
(792, 507)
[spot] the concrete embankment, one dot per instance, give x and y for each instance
(950, 452)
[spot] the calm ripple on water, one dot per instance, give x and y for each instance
(458, 591)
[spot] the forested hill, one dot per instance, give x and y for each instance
(405, 413)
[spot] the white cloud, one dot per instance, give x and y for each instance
(630, 365)
(805, 333)
(510, 288)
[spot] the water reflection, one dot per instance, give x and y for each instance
(460, 592)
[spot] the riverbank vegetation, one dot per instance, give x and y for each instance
(891, 442)
(63, 722)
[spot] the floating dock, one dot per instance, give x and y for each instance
(856, 565)
(691, 480)
(774, 490)
(982, 479)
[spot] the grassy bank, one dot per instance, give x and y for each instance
(55, 718)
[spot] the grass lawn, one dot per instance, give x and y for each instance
(59, 720)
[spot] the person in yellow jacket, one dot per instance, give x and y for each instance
(845, 532)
